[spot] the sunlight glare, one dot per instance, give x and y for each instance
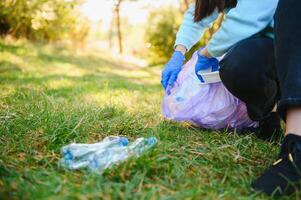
(136, 12)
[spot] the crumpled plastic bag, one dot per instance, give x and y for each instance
(209, 105)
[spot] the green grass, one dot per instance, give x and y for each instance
(54, 96)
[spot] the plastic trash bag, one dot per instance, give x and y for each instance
(208, 105)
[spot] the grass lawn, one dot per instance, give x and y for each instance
(51, 97)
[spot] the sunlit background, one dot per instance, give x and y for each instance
(135, 20)
(136, 12)
(139, 30)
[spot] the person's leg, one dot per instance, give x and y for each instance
(288, 58)
(285, 175)
(293, 119)
(248, 72)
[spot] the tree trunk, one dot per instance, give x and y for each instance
(184, 5)
(118, 24)
(111, 32)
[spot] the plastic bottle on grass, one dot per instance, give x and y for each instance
(102, 160)
(77, 156)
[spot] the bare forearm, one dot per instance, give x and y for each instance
(181, 48)
(205, 53)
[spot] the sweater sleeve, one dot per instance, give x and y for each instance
(245, 20)
(190, 32)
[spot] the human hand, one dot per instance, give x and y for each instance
(204, 63)
(172, 69)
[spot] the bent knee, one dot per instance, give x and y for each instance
(248, 61)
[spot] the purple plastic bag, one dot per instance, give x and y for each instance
(209, 106)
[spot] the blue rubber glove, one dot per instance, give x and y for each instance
(172, 69)
(204, 63)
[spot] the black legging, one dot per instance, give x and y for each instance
(261, 76)
(288, 53)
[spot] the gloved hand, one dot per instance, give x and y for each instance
(204, 63)
(172, 69)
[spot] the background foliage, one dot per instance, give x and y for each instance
(61, 20)
(42, 20)
(161, 34)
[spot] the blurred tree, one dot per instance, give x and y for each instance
(4, 26)
(43, 20)
(161, 34)
(186, 2)
(184, 5)
(110, 35)
(161, 31)
(117, 15)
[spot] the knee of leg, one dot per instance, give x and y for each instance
(238, 62)
(227, 74)
(235, 70)
(230, 66)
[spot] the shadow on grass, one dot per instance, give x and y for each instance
(95, 80)
(12, 48)
(92, 63)
(80, 86)
(9, 67)
(60, 55)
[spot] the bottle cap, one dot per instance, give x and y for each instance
(152, 140)
(124, 141)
